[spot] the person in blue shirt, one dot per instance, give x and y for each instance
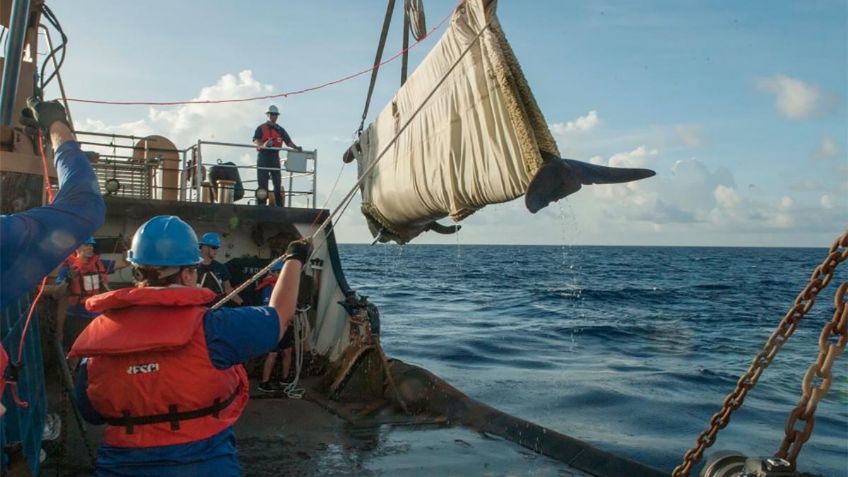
(211, 273)
(34, 242)
(163, 371)
(269, 137)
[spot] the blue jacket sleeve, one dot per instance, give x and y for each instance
(236, 335)
(34, 242)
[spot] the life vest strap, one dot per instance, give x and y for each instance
(174, 417)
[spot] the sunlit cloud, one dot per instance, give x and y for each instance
(581, 124)
(796, 99)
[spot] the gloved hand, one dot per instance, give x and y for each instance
(298, 148)
(43, 114)
(299, 250)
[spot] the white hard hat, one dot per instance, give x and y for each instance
(273, 109)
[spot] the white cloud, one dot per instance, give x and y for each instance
(635, 158)
(691, 135)
(185, 124)
(726, 197)
(827, 148)
(581, 124)
(796, 99)
(826, 201)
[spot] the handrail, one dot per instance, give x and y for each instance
(130, 177)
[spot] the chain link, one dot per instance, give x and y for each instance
(832, 342)
(820, 278)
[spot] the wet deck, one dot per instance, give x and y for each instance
(281, 436)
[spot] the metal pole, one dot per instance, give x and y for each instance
(315, 177)
(12, 65)
(183, 177)
(288, 192)
(198, 164)
(404, 64)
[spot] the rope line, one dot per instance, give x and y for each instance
(284, 94)
(300, 324)
(25, 330)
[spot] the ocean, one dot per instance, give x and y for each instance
(632, 349)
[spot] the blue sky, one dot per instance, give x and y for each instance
(738, 106)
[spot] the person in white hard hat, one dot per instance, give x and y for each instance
(269, 138)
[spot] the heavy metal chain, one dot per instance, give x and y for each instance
(832, 342)
(820, 278)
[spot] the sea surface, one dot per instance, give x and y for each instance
(632, 349)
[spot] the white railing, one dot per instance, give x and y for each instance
(152, 168)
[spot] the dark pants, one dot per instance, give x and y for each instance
(265, 170)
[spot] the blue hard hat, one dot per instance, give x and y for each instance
(164, 241)
(90, 241)
(277, 266)
(211, 239)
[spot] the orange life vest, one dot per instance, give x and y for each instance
(149, 372)
(268, 281)
(91, 278)
(273, 133)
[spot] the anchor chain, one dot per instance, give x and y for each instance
(832, 342)
(820, 278)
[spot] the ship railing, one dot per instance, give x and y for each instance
(149, 168)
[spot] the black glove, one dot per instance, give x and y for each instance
(299, 250)
(298, 148)
(43, 114)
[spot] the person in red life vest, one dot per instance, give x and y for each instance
(285, 346)
(83, 275)
(211, 273)
(269, 137)
(162, 371)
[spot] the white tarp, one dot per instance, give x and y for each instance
(475, 142)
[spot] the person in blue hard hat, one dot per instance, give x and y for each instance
(285, 346)
(211, 273)
(83, 275)
(162, 371)
(269, 137)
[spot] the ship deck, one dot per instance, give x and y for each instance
(282, 436)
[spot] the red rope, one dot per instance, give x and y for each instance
(25, 329)
(285, 94)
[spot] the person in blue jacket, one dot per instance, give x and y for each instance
(34, 242)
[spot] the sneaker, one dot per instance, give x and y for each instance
(266, 387)
(52, 427)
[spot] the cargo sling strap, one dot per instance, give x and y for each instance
(129, 422)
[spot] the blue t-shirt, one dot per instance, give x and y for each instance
(233, 336)
(35, 241)
(266, 295)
